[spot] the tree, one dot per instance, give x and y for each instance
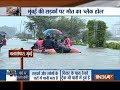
(70, 26)
(0, 38)
(101, 34)
(76, 25)
(24, 35)
(96, 33)
(30, 26)
(42, 23)
(84, 36)
(10, 31)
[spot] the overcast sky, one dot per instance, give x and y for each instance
(15, 21)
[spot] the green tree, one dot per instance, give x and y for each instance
(100, 34)
(96, 33)
(84, 36)
(76, 24)
(24, 35)
(42, 23)
(30, 26)
(10, 31)
(90, 26)
(71, 26)
(0, 38)
(68, 25)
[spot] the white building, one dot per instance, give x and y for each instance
(116, 29)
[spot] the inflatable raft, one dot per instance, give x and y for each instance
(74, 50)
(52, 51)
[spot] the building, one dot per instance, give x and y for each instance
(116, 29)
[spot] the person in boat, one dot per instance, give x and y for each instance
(59, 48)
(64, 46)
(39, 43)
(34, 46)
(1, 44)
(4, 40)
(56, 45)
(48, 43)
(62, 49)
(67, 42)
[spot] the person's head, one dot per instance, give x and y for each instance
(3, 36)
(65, 37)
(55, 40)
(62, 40)
(40, 39)
(48, 37)
(52, 38)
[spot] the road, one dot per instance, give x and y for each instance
(88, 59)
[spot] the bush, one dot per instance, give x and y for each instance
(112, 45)
(24, 39)
(78, 43)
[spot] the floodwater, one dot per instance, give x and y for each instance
(88, 59)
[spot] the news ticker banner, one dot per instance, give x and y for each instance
(59, 75)
(59, 11)
(69, 11)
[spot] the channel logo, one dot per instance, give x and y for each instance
(104, 77)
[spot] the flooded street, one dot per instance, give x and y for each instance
(88, 59)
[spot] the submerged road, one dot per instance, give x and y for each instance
(88, 59)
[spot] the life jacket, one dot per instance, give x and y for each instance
(39, 44)
(4, 41)
(71, 43)
(68, 42)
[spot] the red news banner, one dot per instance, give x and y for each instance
(20, 53)
(43, 3)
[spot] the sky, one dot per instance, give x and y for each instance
(109, 20)
(17, 21)
(13, 21)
